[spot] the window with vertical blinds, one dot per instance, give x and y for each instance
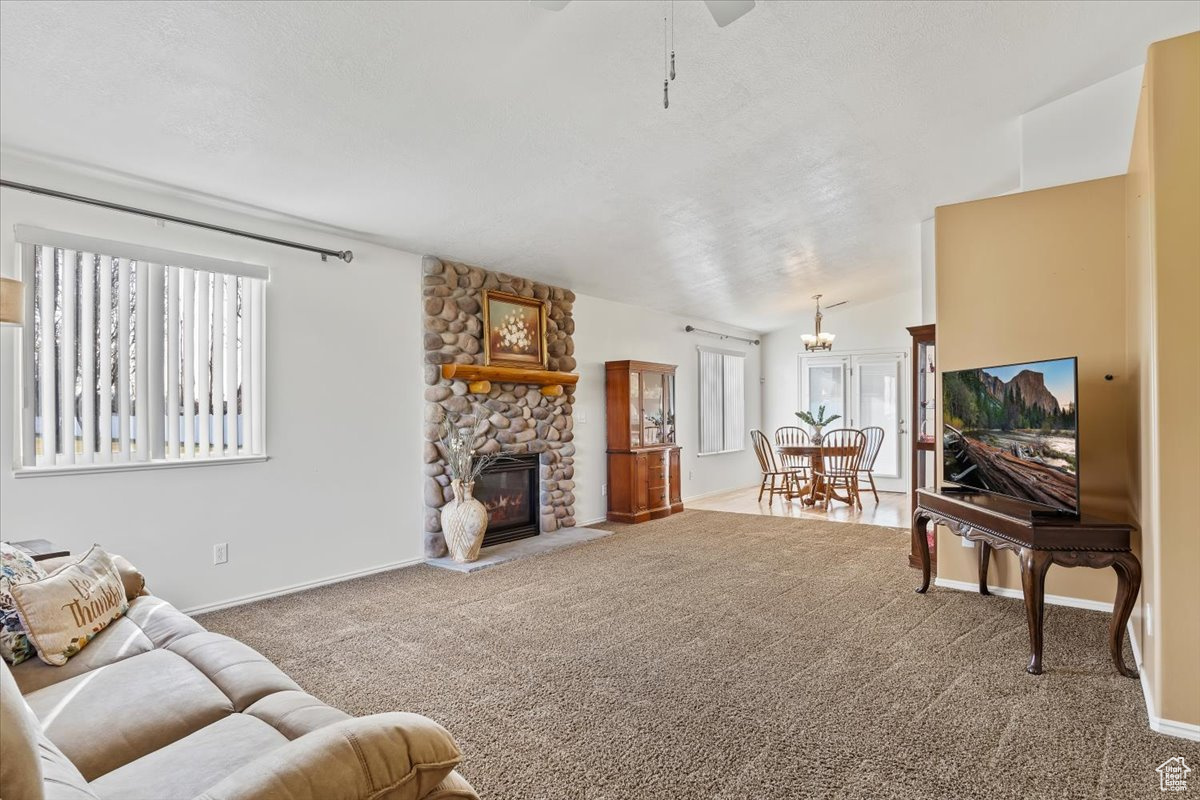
(135, 355)
(722, 401)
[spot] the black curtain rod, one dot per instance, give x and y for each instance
(694, 329)
(325, 253)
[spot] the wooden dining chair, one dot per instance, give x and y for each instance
(793, 435)
(841, 454)
(775, 479)
(870, 453)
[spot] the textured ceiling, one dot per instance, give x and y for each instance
(803, 143)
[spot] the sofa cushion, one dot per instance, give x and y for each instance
(31, 767)
(295, 713)
(162, 623)
(239, 670)
(121, 640)
(106, 718)
(185, 768)
(63, 611)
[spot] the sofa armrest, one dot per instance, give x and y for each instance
(453, 787)
(393, 756)
(135, 582)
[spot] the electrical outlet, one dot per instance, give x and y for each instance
(221, 553)
(691, 474)
(604, 490)
(581, 417)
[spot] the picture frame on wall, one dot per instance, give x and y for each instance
(514, 329)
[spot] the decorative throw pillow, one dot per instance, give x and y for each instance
(65, 609)
(16, 566)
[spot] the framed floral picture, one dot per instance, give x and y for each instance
(514, 331)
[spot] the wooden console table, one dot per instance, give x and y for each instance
(1040, 539)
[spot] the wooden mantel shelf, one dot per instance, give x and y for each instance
(480, 378)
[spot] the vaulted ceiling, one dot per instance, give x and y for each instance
(803, 144)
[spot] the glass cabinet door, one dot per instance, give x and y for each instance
(669, 409)
(635, 409)
(653, 406)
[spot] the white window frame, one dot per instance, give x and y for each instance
(154, 282)
(725, 422)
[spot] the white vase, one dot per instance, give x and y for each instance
(464, 521)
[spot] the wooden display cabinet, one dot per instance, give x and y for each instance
(643, 458)
(925, 420)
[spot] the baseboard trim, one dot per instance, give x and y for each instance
(1004, 591)
(1169, 727)
(691, 499)
(298, 587)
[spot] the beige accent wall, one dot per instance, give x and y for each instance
(1163, 315)
(1041, 275)
(1107, 270)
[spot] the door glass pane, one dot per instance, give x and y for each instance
(635, 409)
(879, 405)
(826, 387)
(652, 406)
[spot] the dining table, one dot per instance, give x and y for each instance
(815, 490)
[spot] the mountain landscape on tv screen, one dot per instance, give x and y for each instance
(1013, 430)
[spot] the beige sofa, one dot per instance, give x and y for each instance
(158, 708)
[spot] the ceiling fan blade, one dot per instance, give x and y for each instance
(726, 11)
(550, 5)
(835, 305)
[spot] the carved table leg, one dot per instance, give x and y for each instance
(985, 550)
(920, 536)
(1034, 564)
(1129, 581)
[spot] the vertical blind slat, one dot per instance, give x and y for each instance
(47, 365)
(218, 364)
(172, 366)
(231, 350)
(87, 355)
(28, 348)
(124, 332)
(247, 365)
(155, 333)
(66, 360)
(203, 353)
(104, 408)
(733, 402)
(258, 320)
(141, 343)
(187, 312)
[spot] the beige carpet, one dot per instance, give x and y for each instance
(714, 655)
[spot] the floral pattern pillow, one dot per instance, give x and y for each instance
(15, 567)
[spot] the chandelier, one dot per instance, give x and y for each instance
(818, 340)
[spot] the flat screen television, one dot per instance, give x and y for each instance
(1013, 430)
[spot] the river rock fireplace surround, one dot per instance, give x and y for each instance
(513, 417)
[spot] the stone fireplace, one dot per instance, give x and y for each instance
(513, 418)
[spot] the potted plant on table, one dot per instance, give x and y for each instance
(817, 423)
(464, 519)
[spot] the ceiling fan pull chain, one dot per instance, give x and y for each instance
(666, 69)
(672, 39)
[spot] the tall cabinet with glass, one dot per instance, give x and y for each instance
(643, 458)
(925, 422)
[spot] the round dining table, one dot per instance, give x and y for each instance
(815, 490)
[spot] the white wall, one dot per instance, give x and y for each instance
(878, 325)
(928, 273)
(1082, 136)
(341, 491)
(608, 331)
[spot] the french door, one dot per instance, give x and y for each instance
(864, 390)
